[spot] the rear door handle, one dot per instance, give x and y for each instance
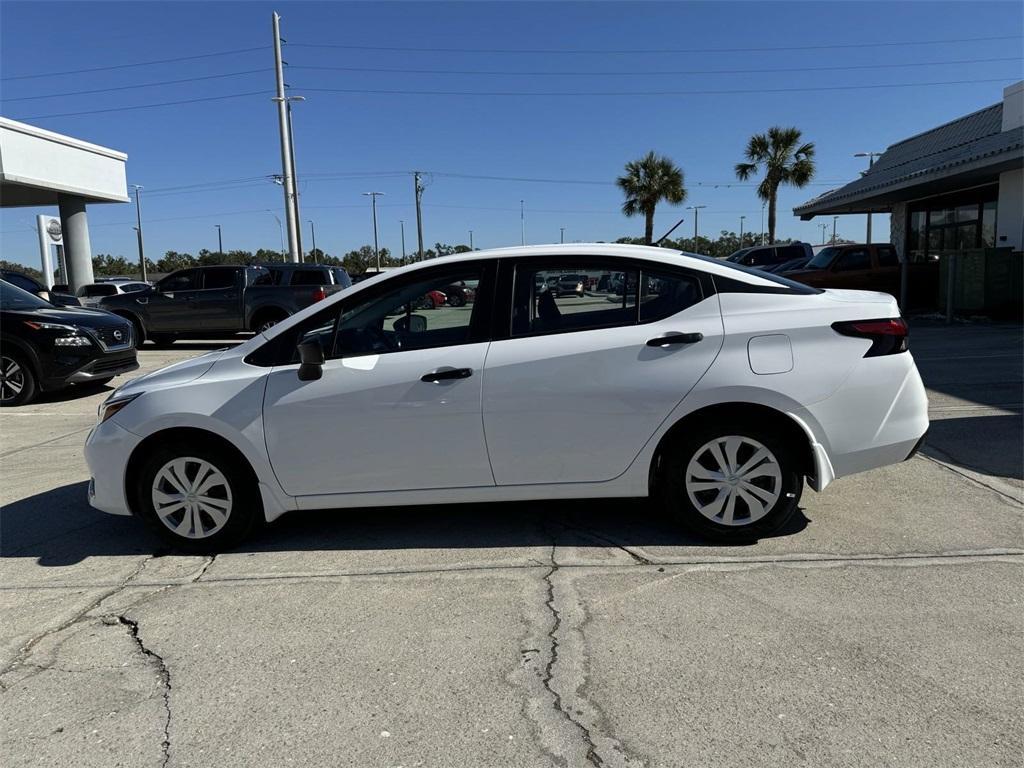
(675, 338)
(446, 372)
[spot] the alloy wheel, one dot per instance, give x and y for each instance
(12, 379)
(733, 480)
(191, 497)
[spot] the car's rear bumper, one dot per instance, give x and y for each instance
(878, 417)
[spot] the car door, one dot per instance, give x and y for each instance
(398, 405)
(217, 306)
(167, 306)
(577, 386)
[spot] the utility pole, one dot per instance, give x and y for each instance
(138, 232)
(419, 212)
(373, 204)
(401, 223)
(522, 224)
(312, 232)
(471, 241)
(561, 234)
(696, 213)
(741, 230)
(295, 175)
(871, 162)
(824, 228)
(762, 222)
(220, 239)
(834, 220)
(287, 170)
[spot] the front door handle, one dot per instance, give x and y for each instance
(675, 338)
(446, 372)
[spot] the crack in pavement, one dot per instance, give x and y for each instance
(25, 651)
(969, 477)
(163, 673)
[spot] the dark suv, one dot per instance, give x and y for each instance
(30, 284)
(44, 347)
(769, 255)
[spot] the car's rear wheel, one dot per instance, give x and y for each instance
(731, 482)
(198, 498)
(17, 381)
(454, 300)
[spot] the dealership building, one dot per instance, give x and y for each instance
(957, 189)
(42, 168)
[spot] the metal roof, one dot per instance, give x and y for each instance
(969, 141)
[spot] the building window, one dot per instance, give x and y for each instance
(965, 221)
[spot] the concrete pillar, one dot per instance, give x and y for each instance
(77, 250)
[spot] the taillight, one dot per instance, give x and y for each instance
(319, 294)
(888, 336)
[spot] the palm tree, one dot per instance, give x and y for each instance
(785, 161)
(646, 183)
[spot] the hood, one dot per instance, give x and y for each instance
(173, 375)
(80, 316)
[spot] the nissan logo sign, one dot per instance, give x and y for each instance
(53, 230)
(118, 335)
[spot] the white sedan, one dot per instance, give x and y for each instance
(714, 389)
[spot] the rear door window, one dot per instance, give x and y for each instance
(664, 293)
(887, 256)
(539, 307)
(854, 259)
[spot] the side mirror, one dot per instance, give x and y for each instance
(311, 357)
(410, 324)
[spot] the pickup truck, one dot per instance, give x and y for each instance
(211, 302)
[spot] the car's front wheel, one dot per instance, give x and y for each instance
(731, 482)
(198, 498)
(17, 381)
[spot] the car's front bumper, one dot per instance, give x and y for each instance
(98, 368)
(107, 450)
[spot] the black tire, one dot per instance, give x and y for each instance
(138, 330)
(17, 379)
(245, 510)
(678, 490)
(265, 322)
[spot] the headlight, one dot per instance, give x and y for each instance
(72, 337)
(113, 405)
(36, 326)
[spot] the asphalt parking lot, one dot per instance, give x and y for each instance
(885, 626)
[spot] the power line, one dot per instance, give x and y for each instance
(133, 64)
(140, 85)
(745, 49)
(150, 106)
(726, 92)
(636, 73)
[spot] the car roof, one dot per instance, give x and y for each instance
(667, 256)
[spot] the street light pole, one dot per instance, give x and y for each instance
(696, 212)
(834, 220)
(561, 234)
(401, 223)
(373, 205)
(312, 232)
(419, 214)
(824, 228)
(280, 231)
(741, 230)
(220, 240)
(138, 232)
(522, 224)
(762, 222)
(287, 169)
(471, 241)
(871, 162)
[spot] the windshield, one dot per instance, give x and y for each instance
(12, 297)
(823, 258)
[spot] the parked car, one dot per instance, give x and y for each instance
(717, 397)
(787, 266)
(857, 266)
(211, 302)
(90, 295)
(570, 285)
(459, 295)
(44, 347)
(768, 255)
(30, 284)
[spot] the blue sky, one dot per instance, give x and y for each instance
(561, 137)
